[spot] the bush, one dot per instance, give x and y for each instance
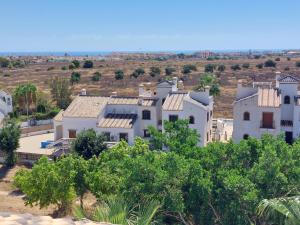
(287, 68)
(270, 63)
(138, 72)
(260, 66)
(236, 67)
(72, 66)
(288, 59)
(188, 68)
(75, 77)
(119, 74)
(169, 71)
(297, 64)
(277, 59)
(209, 68)
(246, 65)
(96, 76)
(64, 68)
(4, 62)
(76, 63)
(221, 68)
(88, 64)
(154, 71)
(45, 116)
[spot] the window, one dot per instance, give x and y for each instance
(146, 133)
(287, 99)
(123, 136)
(211, 113)
(246, 136)
(246, 116)
(173, 118)
(191, 120)
(146, 115)
(8, 101)
(207, 136)
(72, 133)
(207, 116)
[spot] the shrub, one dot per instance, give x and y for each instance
(188, 68)
(246, 65)
(96, 76)
(64, 68)
(75, 77)
(88, 64)
(288, 59)
(72, 66)
(76, 63)
(270, 63)
(138, 72)
(297, 64)
(209, 68)
(51, 68)
(235, 67)
(119, 74)
(169, 71)
(287, 68)
(4, 62)
(277, 59)
(221, 68)
(260, 66)
(154, 71)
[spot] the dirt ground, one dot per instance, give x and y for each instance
(40, 75)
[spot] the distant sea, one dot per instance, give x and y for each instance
(104, 53)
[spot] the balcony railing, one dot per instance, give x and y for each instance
(265, 125)
(286, 123)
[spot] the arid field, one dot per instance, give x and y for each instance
(39, 74)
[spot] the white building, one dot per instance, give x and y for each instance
(5, 104)
(120, 117)
(264, 108)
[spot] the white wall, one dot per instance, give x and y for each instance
(252, 127)
(115, 132)
(78, 124)
(144, 124)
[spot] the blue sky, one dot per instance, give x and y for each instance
(143, 25)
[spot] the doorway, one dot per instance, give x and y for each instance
(289, 137)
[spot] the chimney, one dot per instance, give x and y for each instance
(180, 85)
(278, 74)
(83, 92)
(240, 84)
(141, 90)
(174, 86)
(206, 90)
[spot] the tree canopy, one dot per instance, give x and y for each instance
(61, 92)
(210, 80)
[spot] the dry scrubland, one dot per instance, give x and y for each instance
(39, 75)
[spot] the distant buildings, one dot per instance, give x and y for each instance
(121, 117)
(263, 108)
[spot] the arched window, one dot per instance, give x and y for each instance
(246, 116)
(287, 99)
(146, 115)
(246, 136)
(191, 120)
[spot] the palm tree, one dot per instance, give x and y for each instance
(117, 211)
(280, 211)
(26, 93)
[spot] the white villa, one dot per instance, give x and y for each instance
(120, 117)
(5, 104)
(264, 108)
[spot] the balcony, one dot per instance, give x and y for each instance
(286, 123)
(267, 125)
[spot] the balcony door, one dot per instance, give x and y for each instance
(267, 121)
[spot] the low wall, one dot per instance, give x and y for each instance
(44, 127)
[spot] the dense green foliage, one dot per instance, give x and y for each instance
(246, 65)
(210, 80)
(75, 77)
(88, 144)
(4, 62)
(188, 68)
(209, 68)
(119, 74)
(96, 76)
(9, 142)
(87, 64)
(25, 94)
(270, 63)
(221, 68)
(218, 184)
(76, 63)
(169, 70)
(297, 64)
(260, 65)
(235, 67)
(154, 71)
(137, 72)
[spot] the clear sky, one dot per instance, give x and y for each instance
(143, 25)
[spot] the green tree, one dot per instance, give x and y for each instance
(154, 71)
(76, 63)
(270, 63)
(297, 64)
(169, 70)
(52, 183)
(26, 96)
(61, 92)
(88, 144)
(9, 142)
(235, 67)
(119, 74)
(246, 65)
(209, 68)
(210, 80)
(221, 68)
(96, 76)
(260, 65)
(188, 68)
(75, 77)
(88, 64)
(138, 72)
(72, 66)
(281, 211)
